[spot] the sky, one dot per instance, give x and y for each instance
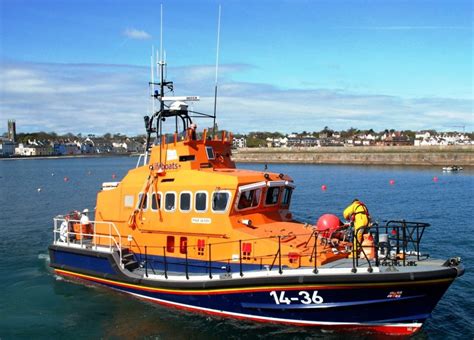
(83, 66)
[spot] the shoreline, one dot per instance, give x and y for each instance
(16, 158)
(363, 155)
(393, 155)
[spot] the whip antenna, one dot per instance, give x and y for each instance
(161, 63)
(217, 69)
(161, 32)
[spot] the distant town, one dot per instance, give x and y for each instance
(52, 144)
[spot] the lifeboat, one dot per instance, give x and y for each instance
(187, 229)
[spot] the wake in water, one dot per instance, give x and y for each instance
(44, 257)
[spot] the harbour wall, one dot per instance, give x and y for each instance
(462, 155)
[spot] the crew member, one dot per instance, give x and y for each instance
(85, 223)
(192, 131)
(359, 216)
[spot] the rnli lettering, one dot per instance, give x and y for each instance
(303, 297)
(201, 220)
(169, 166)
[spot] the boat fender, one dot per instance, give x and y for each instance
(63, 231)
(368, 247)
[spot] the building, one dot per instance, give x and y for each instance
(279, 142)
(239, 142)
(134, 146)
(306, 141)
(395, 138)
(12, 130)
(61, 149)
(449, 138)
(7, 147)
(33, 150)
(87, 146)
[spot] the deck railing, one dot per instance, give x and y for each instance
(213, 265)
(403, 239)
(393, 243)
(87, 236)
(396, 239)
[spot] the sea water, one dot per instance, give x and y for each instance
(35, 303)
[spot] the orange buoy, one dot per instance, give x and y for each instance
(324, 187)
(392, 182)
(329, 223)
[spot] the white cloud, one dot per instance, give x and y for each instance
(96, 98)
(133, 33)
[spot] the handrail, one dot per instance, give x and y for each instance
(400, 235)
(94, 236)
(140, 156)
(315, 270)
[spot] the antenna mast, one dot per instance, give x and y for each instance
(148, 122)
(162, 90)
(217, 69)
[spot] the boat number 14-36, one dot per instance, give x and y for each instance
(303, 297)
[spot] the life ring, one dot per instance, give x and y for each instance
(63, 231)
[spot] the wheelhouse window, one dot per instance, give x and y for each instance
(220, 201)
(286, 196)
(185, 201)
(200, 201)
(210, 153)
(142, 201)
(156, 201)
(249, 199)
(170, 201)
(272, 195)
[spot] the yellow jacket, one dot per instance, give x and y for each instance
(358, 213)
